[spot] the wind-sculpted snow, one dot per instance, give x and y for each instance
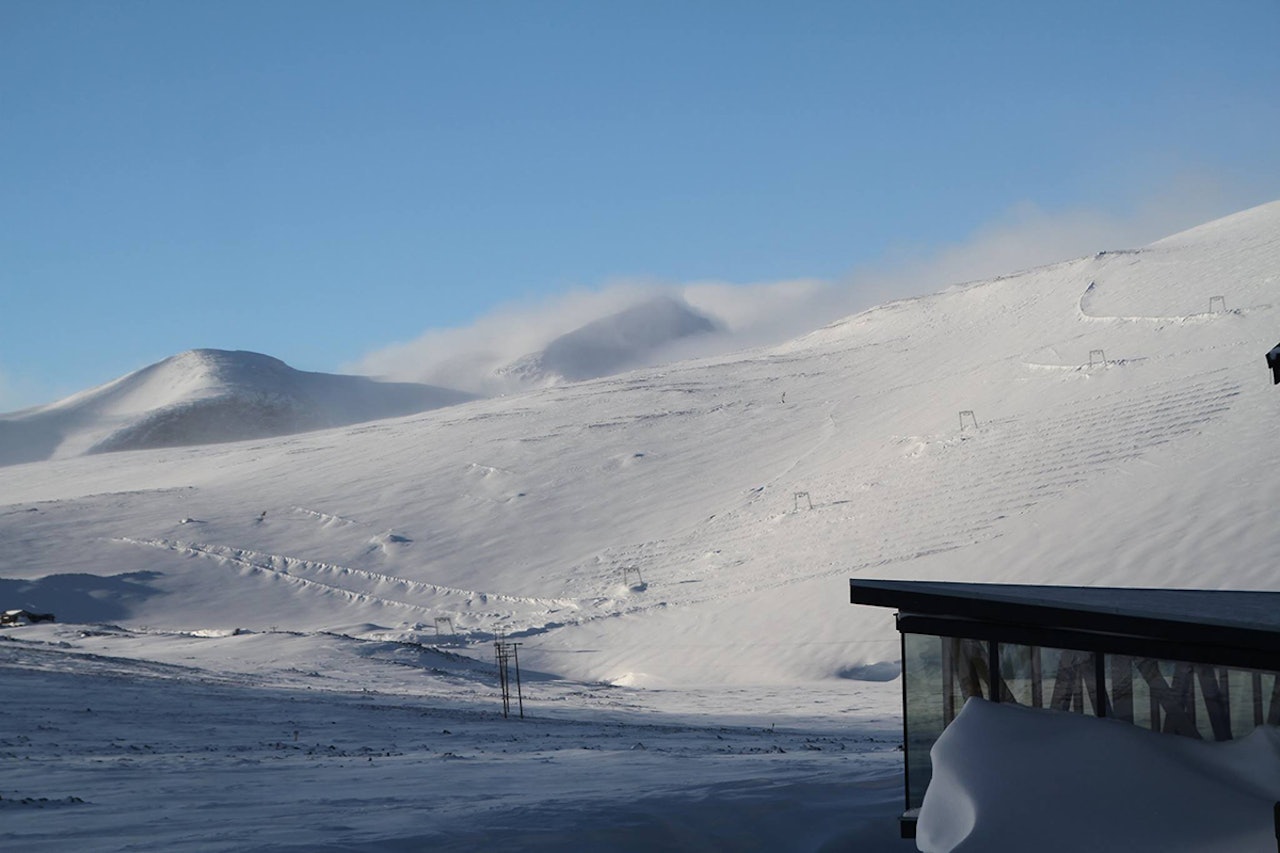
(1090, 310)
(356, 584)
(1209, 796)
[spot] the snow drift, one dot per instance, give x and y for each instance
(1012, 778)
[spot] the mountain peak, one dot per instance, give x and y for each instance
(204, 396)
(632, 337)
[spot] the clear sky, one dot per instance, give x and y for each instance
(318, 180)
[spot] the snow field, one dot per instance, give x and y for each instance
(129, 751)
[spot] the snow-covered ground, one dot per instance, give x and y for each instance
(672, 548)
(121, 740)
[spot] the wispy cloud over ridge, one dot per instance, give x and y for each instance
(762, 313)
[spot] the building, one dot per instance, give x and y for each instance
(23, 617)
(1196, 663)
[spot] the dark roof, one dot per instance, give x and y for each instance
(1247, 619)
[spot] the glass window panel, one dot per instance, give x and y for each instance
(1247, 700)
(968, 675)
(1194, 700)
(1212, 698)
(1069, 681)
(1128, 702)
(1146, 706)
(923, 696)
(1020, 675)
(1190, 699)
(939, 675)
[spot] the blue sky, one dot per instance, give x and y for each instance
(320, 180)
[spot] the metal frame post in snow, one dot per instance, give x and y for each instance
(515, 654)
(500, 658)
(504, 655)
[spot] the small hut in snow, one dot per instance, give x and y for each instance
(23, 617)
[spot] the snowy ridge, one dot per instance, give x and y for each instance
(205, 396)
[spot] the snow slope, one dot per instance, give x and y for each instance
(522, 514)
(690, 529)
(205, 396)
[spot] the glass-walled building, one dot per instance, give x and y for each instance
(1195, 663)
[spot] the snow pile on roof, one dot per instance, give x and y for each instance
(1012, 778)
(206, 396)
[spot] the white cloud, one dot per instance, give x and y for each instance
(763, 313)
(1028, 236)
(465, 357)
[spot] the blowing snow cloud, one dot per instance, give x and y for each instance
(520, 345)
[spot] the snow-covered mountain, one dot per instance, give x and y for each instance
(635, 336)
(309, 619)
(1103, 420)
(205, 396)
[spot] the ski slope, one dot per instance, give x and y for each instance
(693, 526)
